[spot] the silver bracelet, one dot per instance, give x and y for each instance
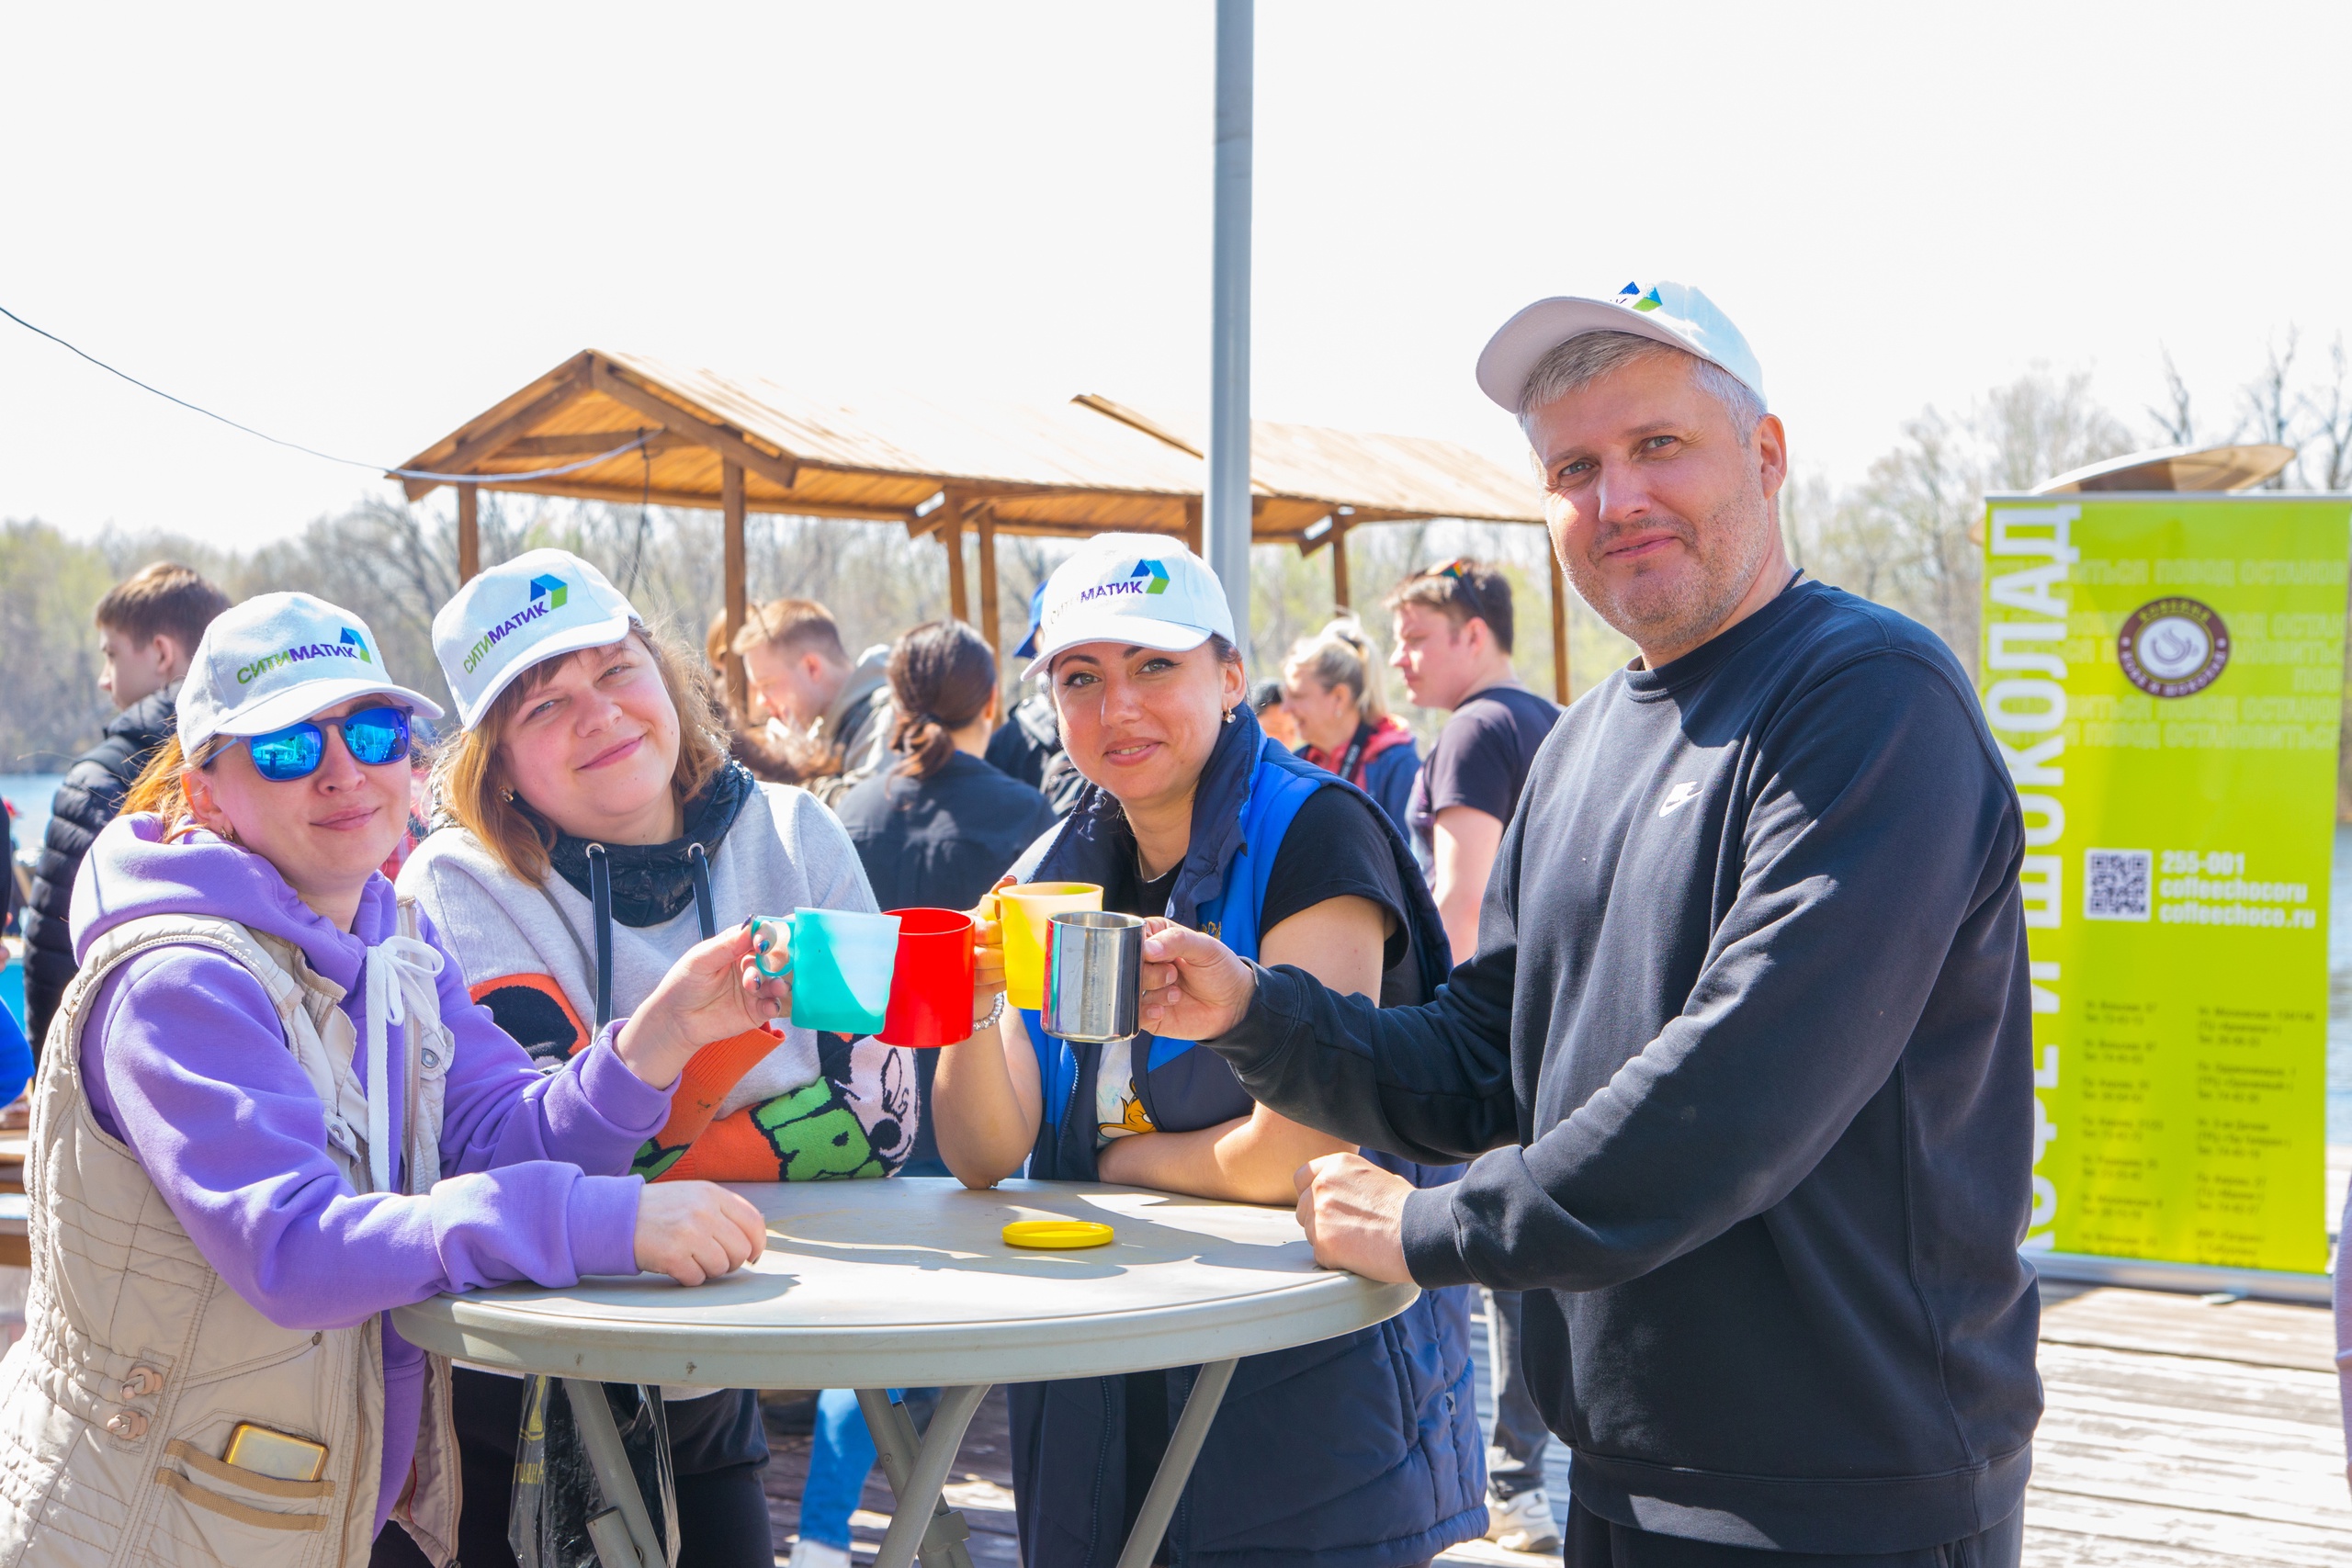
(995, 1013)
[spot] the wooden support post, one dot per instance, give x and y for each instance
(730, 503)
(1340, 594)
(951, 535)
(469, 533)
(1193, 524)
(992, 629)
(1559, 625)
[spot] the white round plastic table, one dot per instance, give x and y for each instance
(908, 1283)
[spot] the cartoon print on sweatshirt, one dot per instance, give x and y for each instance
(853, 1119)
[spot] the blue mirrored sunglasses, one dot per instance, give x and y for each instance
(373, 736)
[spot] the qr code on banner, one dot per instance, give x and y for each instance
(2115, 884)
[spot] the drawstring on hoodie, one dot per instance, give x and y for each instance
(388, 1005)
(600, 901)
(698, 867)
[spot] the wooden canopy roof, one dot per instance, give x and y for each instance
(1074, 468)
(625, 428)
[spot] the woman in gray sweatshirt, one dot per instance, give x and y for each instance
(600, 828)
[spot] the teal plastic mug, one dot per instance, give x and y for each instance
(840, 961)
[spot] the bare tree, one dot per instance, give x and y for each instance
(2270, 406)
(2175, 424)
(2327, 411)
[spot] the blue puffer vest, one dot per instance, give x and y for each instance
(1359, 1452)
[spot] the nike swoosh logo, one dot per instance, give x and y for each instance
(1681, 796)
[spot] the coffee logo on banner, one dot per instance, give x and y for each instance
(2173, 647)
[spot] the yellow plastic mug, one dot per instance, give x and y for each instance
(1026, 914)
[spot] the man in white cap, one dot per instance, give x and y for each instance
(1743, 1052)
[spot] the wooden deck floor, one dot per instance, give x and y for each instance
(2177, 1432)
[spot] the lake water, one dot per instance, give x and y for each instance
(29, 793)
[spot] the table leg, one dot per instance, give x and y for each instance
(1176, 1465)
(915, 1516)
(615, 1479)
(896, 1443)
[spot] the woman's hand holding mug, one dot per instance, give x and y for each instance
(987, 950)
(740, 979)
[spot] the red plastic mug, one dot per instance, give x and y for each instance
(930, 988)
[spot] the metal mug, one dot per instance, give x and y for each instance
(1094, 977)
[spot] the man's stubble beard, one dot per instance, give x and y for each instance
(1683, 610)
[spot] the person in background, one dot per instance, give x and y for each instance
(149, 625)
(260, 1079)
(1028, 744)
(1358, 1452)
(934, 831)
(832, 715)
(1745, 1054)
(748, 738)
(1331, 687)
(601, 831)
(1266, 701)
(1453, 636)
(1452, 623)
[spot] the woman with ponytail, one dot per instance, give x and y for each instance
(938, 828)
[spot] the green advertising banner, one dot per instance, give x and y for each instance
(2165, 676)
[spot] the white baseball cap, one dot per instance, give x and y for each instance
(1139, 590)
(1672, 313)
(536, 607)
(275, 659)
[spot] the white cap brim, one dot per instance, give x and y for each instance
(298, 703)
(1127, 631)
(1519, 345)
(599, 634)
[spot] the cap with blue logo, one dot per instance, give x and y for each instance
(1136, 590)
(1028, 648)
(1672, 313)
(277, 659)
(538, 606)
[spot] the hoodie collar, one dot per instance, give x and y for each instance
(652, 883)
(132, 873)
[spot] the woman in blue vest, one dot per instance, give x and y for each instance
(1360, 1452)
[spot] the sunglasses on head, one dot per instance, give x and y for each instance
(372, 736)
(1459, 571)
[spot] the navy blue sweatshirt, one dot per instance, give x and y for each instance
(1744, 1053)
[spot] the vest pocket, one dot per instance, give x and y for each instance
(208, 1509)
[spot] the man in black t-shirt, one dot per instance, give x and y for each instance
(1453, 636)
(1453, 633)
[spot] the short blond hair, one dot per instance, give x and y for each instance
(1342, 654)
(470, 774)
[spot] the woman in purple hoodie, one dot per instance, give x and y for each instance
(268, 1042)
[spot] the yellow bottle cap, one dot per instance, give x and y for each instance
(1057, 1233)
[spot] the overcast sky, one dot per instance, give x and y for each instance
(357, 226)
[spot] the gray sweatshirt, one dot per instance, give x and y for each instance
(784, 851)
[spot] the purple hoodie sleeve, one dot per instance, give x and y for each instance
(206, 1093)
(500, 1108)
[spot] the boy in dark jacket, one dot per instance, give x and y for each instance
(149, 623)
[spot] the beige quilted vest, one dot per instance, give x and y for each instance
(138, 1360)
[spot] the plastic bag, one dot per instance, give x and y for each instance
(557, 1494)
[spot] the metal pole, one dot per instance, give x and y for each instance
(1228, 494)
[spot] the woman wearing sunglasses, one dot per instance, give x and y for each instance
(1359, 1452)
(273, 1114)
(600, 831)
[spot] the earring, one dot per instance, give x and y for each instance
(1229, 713)
(507, 795)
